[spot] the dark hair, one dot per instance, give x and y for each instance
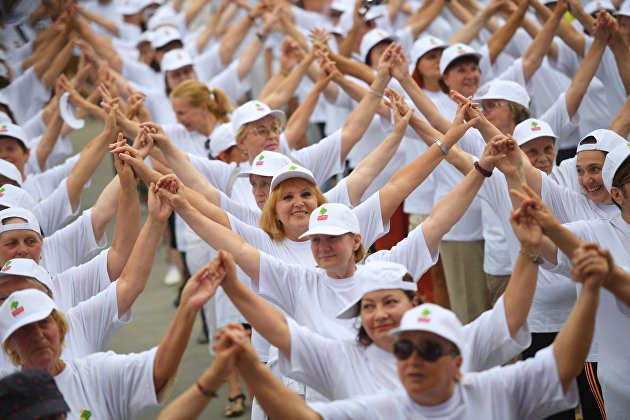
(519, 112)
(622, 173)
(362, 337)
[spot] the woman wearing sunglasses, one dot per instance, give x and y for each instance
(429, 346)
(383, 292)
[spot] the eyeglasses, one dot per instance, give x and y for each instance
(265, 132)
(490, 105)
(428, 350)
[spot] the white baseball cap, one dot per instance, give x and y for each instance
(164, 35)
(341, 6)
(12, 196)
(422, 46)
(434, 319)
(175, 59)
(605, 141)
(373, 276)
(455, 52)
(22, 308)
(253, 111)
(146, 36)
(614, 159)
(530, 129)
(595, 6)
(372, 38)
(14, 131)
(24, 267)
(30, 221)
(332, 219)
(10, 171)
(289, 171)
(221, 139)
(503, 89)
(267, 163)
(162, 17)
(131, 7)
(4, 118)
(375, 12)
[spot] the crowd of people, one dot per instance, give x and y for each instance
(379, 209)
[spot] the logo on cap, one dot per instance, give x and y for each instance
(292, 167)
(16, 309)
(259, 107)
(460, 49)
(261, 160)
(535, 126)
(424, 316)
(6, 266)
(432, 41)
(322, 214)
(85, 414)
(2, 190)
(3, 128)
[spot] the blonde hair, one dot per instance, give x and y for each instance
(268, 219)
(62, 323)
(198, 94)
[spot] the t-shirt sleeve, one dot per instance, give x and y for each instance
(561, 200)
(489, 341)
(309, 363)
(339, 193)
(533, 386)
(208, 64)
(371, 220)
(557, 116)
(322, 158)
(43, 184)
(412, 252)
(365, 407)
(80, 283)
(25, 106)
(279, 282)
(98, 318)
(216, 172)
(241, 212)
(129, 380)
(54, 211)
(229, 82)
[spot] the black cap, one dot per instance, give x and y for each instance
(30, 394)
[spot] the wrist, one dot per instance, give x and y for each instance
(535, 258)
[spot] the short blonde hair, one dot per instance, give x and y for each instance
(198, 94)
(268, 219)
(62, 323)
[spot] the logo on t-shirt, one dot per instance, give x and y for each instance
(16, 309)
(261, 160)
(322, 214)
(535, 126)
(424, 316)
(85, 414)
(259, 107)
(6, 266)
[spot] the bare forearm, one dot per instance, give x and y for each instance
(533, 57)
(353, 68)
(583, 76)
(519, 292)
(622, 57)
(619, 284)
(233, 38)
(424, 104)
(126, 230)
(286, 88)
(49, 139)
(296, 126)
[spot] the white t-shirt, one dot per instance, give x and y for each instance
(71, 246)
(529, 389)
(77, 284)
(612, 329)
(109, 385)
(25, 106)
(342, 369)
(54, 211)
(41, 185)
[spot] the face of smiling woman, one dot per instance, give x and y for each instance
(589, 166)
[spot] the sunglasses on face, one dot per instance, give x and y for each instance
(428, 350)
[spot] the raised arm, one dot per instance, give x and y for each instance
(621, 52)
(453, 205)
(216, 235)
(421, 20)
(543, 43)
(472, 24)
(617, 280)
(519, 292)
(408, 178)
(573, 342)
(197, 291)
(100, 20)
(286, 88)
(135, 275)
(621, 123)
(502, 36)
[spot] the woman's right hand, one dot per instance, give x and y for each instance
(171, 189)
(234, 340)
(532, 205)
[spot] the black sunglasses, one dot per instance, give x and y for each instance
(428, 350)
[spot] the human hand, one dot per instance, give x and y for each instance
(172, 190)
(527, 230)
(202, 285)
(532, 205)
(507, 146)
(591, 265)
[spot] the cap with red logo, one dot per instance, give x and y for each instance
(332, 219)
(22, 308)
(422, 46)
(253, 111)
(530, 129)
(163, 35)
(14, 131)
(434, 319)
(267, 164)
(455, 52)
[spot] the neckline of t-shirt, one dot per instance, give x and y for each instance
(439, 410)
(374, 351)
(338, 283)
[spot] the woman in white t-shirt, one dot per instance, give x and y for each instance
(105, 385)
(383, 291)
(429, 345)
